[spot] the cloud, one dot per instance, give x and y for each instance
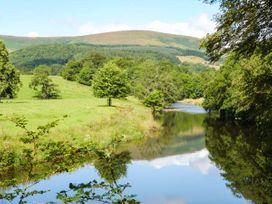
(197, 160)
(197, 27)
(33, 34)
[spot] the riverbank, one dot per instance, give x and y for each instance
(191, 101)
(88, 118)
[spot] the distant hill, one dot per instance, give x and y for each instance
(145, 38)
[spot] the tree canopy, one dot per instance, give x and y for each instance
(242, 26)
(111, 82)
(9, 76)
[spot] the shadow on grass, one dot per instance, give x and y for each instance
(105, 106)
(13, 102)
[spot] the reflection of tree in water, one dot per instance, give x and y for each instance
(111, 166)
(245, 156)
(172, 139)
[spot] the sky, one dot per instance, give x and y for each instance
(35, 18)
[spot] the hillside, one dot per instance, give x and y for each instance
(198, 60)
(28, 58)
(111, 38)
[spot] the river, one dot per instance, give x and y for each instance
(193, 161)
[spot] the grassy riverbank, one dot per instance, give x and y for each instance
(88, 117)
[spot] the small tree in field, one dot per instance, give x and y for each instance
(155, 100)
(9, 76)
(41, 83)
(110, 82)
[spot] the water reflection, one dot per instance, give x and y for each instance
(170, 168)
(110, 165)
(197, 160)
(244, 154)
(182, 133)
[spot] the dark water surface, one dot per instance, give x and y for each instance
(191, 162)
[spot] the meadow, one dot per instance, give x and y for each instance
(86, 118)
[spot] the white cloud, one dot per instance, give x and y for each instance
(196, 160)
(197, 27)
(33, 34)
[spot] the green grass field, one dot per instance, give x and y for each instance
(88, 117)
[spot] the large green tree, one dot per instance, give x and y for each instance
(242, 26)
(9, 76)
(110, 82)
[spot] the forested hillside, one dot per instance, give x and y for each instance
(28, 58)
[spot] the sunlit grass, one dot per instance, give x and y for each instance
(89, 119)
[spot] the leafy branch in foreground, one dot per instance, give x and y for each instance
(28, 159)
(111, 166)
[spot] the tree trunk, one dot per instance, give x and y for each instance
(109, 101)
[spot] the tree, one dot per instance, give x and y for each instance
(9, 76)
(244, 27)
(252, 90)
(97, 60)
(111, 82)
(85, 76)
(243, 90)
(71, 69)
(155, 100)
(151, 76)
(41, 83)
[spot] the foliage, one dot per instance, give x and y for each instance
(9, 76)
(71, 69)
(243, 27)
(41, 83)
(111, 167)
(28, 159)
(51, 54)
(155, 100)
(111, 82)
(151, 76)
(243, 89)
(61, 155)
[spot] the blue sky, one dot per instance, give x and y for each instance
(80, 17)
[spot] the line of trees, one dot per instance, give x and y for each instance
(145, 79)
(242, 89)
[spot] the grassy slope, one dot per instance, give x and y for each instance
(198, 60)
(111, 38)
(88, 118)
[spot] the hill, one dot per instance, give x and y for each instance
(111, 38)
(28, 58)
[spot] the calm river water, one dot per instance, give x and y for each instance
(195, 160)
